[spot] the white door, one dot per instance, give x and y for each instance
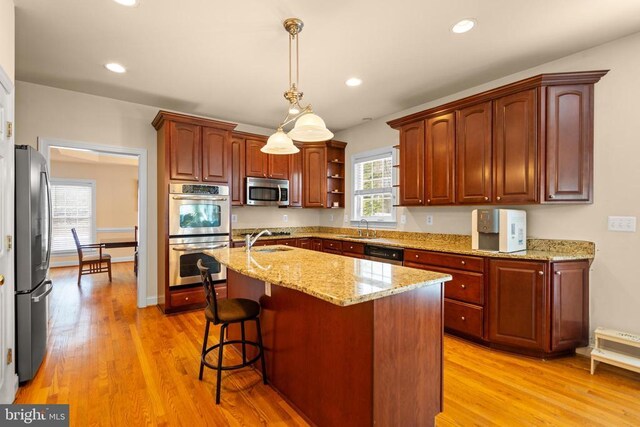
(8, 377)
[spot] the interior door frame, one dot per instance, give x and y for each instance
(7, 394)
(44, 145)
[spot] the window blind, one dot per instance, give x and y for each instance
(72, 207)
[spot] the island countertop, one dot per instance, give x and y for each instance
(336, 279)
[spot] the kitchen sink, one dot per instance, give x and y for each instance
(272, 249)
(357, 237)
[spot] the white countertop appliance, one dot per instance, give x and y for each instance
(499, 230)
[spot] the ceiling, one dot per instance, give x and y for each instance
(59, 154)
(228, 59)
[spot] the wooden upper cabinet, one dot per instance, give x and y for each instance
(517, 299)
(440, 159)
(314, 181)
(295, 180)
(278, 166)
(215, 155)
(237, 170)
(184, 152)
(569, 154)
(256, 163)
(515, 154)
(412, 164)
(473, 154)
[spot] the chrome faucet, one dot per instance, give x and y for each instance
(248, 242)
(360, 230)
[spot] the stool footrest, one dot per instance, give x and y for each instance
(228, 368)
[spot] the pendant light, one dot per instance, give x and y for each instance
(308, 126)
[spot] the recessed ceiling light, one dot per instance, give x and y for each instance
(115, 67)
(127, 2)
(353, 81)
(463, 26)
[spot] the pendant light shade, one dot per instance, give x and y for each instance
(310, 128)
(279, 143)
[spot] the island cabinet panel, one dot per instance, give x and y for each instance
(473, 156)
(440, 153)
(569, 139)
(517, 304)
(412, 164)
(215, 155)
(356, 365)
(314, 181)
(515, 154)
(256, 162)
(570, 305)
(237, 171)
(295, 180)
(184, 154)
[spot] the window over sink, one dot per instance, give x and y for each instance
(372, 186)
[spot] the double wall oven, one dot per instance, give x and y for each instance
(199, 219)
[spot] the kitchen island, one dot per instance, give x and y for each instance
(347, 341)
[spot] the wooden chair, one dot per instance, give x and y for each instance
(92, 264)
(224, 313)
(135, 254)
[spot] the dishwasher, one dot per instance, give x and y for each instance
(384, 254)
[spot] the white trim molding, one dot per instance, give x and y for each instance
(115, 230)
(44, 145)
(5, 81)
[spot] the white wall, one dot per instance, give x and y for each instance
(7, 37)
(47, 112)
(615, 275)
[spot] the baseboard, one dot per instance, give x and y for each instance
(74, 263)
(152, 301)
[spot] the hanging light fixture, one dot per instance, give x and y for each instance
(308, 126)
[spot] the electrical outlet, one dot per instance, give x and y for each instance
(346, 218)
(622, 223)
(331, 218)
(285, 218)
(234, 218)
(403, 219)
(429, 219)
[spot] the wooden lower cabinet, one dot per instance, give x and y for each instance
(570, 305)
(353, 250)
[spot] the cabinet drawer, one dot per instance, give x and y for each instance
(463, 317)
(352, 248)
(445, 260)
(332, 245)
(465, 286)
(193, 296)
(221, 291)
(286, 242)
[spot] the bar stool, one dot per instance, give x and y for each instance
(226, 312)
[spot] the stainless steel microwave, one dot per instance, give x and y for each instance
(267, 192)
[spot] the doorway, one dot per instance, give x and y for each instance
(122, 158)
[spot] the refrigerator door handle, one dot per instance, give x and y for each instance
(50, 216)
(45, 293)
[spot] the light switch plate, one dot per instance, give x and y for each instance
(429, 219)
(403, 219)
(622, 223)
(285, 218)
(234, 218)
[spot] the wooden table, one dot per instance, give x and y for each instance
(119, 243)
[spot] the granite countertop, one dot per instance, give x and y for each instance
(538, 249)
(336, 279)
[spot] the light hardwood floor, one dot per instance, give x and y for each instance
(121, 366)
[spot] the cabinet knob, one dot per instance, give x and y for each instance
(463, 262)
(541, 273)
(417, 256)
(463, 286)
(420, 201)
(558, 273)
(186, 298)
(462, 318)
(486, 198)
(551, 196)
(428, 200)
(498, 198)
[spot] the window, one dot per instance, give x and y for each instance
(373, 195)
(73, 206)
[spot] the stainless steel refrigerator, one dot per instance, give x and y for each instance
(33, 252)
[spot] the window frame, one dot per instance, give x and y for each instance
(91, 183)
(365, 156)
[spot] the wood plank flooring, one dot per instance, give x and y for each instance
(121, 366)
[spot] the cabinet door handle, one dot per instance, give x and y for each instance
(463, 318)
(420, 201)
(541, 273)
(186, 298)
(486, 198)
(498, 198)
(463, 286)
(463, 262)
(428, 200)
(558, 273)
(417, 256)
(551, 196)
